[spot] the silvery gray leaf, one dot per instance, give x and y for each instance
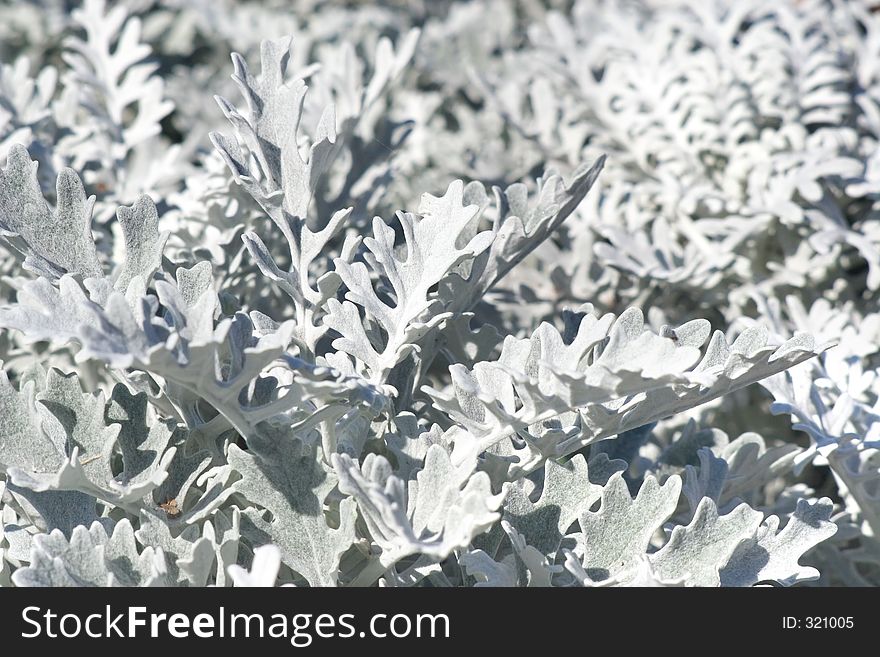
(698, 551)
(52, 241)
(92, 558)
(772, 556)
(444, 509)
(615, 538)
(289, 482)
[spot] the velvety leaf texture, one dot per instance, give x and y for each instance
(440, 294)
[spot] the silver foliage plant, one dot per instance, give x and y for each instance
(440, 294)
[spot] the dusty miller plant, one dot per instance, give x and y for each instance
(439, 294)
